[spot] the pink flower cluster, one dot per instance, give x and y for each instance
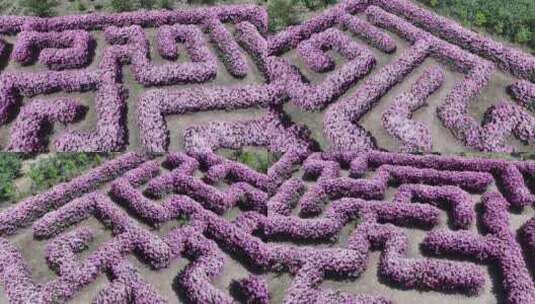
(15, 84)
(154, 104)
(431, 180)
(58, 50)
(369, 33)
(65, 42)
(523, 93)
(454, 111)
(248, 36)
(28, 133)
(462, 206)
(508, 58)
(339, 120)
(253, 290)
(133, 47)
(274, 131)
(190, 36)
(527, 233)
(290, 37)
(502, 119)
(36, 206)
(230, 52)
(498, 246)
(3, 47)
(153, 18)
(397, 118)
(110, 132)
(313, 51)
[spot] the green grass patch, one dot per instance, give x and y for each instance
(257, 159)
(61, 167)
(10, 164)
(513, 20)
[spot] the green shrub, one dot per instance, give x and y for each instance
(42, 8)
(514, 20)
(80, 6)
(281, 14)
(147, 4)
(524, 35)
(10, 164)
(122, 5)
(480, 19)
(60, 167)
(258, 160)
(165, 4)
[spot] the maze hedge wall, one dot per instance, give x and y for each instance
(328, 64)
(165, 209)
(323, 210)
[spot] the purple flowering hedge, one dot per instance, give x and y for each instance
(144, 198)
(396, 119)
(63, 50)
(28, 133)
(226, 37)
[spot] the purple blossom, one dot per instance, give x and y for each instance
(397, 118)
(28, 132)
(523, 93)
(58, 50)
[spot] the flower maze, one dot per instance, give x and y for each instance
(202, 208)
(138, 80)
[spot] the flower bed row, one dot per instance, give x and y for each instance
(274, 130)
(397, 118)
(509, 174)
(502, 119)
(74, 274)
(293, 35)
(454, 111)
(3, 48)
(154, 104)
(462, 206)
(133, 47)
(29, 132)
(155, 18)
(192, 38)
(339, 120)
(34, 207)
(508, 58)
(230, 52)
(58, 50)
(110, 132)
(498, 246)
(369, 33)
(523, 93)
(318, 96)
(272, 219)
(15, 84)
(248, 36)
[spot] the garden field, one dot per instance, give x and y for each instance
(359, 75)
(373, 153)
(372, 227)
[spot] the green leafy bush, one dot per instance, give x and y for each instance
(511, 19)
(80, 6)
(165, 4)
(122, 5)
(61, 167)
(10, 164)
(42, 8)
(258, 160)
(281, 14)
(147, 4)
